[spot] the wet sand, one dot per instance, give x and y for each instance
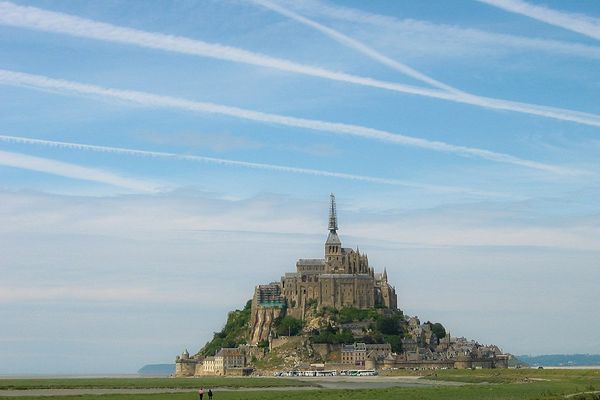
(376, 382)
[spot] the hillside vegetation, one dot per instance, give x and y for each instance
(321, 325)
(234, 333)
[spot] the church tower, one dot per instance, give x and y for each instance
(333, 245)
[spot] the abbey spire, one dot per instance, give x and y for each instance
(332, 215)
(333, 245)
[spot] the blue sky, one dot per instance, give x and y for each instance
(159, 159)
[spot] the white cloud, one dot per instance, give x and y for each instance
(54, 167)
(170, 214)
(153, 100)
(579, 23)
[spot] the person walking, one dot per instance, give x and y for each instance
(209, 394)
(201, 393)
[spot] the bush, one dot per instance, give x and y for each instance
(388, 326)
(312, 303)
(288, 326)
(351, 314)
(395, 341)
(332, 337)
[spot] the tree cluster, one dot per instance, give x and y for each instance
(382, 328)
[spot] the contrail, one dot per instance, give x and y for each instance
(355, 44)
(463, 36)
(153, 100)
(54, 167)
(48, 21)
(454, 94)
(579, 23)
(235, 163)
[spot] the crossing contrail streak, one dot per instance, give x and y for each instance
(153, 100)
(462, 36)
(579, 23)
(455, 94)
(48, 21)
(356, 45)
(236, 163)
(60, 168)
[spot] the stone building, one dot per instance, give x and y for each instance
(185, 365)
(227, 361)
(359, 353)
(342, 278)
(230, 358)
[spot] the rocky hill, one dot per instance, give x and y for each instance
(296, 343)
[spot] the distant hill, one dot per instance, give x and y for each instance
(157, 369)
(548, 360)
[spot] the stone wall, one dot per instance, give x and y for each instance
(281, 341)
(185, 368)
(238, 371)
(425, 364)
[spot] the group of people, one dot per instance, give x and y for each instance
(201, 393)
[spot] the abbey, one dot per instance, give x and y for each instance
(343, 278)
(317, 293)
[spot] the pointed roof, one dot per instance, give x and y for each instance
(333, 226)
(333, 239)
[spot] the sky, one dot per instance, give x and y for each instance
(160, 159)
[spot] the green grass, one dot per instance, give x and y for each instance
(525, 375)
(146, 383)
(533, 391)
(525, 384)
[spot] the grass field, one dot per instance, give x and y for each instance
(145, 383)
(524, 384)
(524, 375)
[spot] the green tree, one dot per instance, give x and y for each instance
(345, 337)
(395, 341)
(439, 330)
(388, 326)
(289, 326)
